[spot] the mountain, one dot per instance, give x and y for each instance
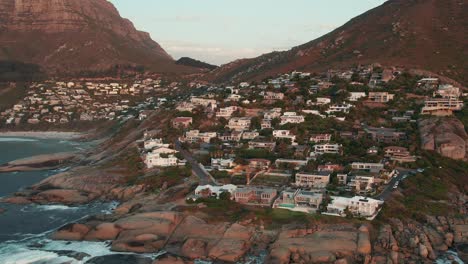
(71, 36)
(195, 63)
(418, 34)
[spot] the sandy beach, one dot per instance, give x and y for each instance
(43, 134)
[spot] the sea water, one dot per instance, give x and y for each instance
(24, 229)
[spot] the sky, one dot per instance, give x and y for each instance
(220, 31)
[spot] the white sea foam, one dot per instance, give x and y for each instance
(55, 207)
(17, 254)
(12, 139)
(446, 260)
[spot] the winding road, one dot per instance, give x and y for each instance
(203, 175)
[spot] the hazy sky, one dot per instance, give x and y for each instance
(220, 31)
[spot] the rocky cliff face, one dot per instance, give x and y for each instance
(72, 36)
(447, 136)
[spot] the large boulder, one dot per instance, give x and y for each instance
(229, 250)
(326, 244)
(364, 244)
(61, 196)
(194, 249)
(146, 232)
(71, 232)
(103, 232)
(447, 136)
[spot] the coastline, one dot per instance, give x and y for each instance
(43, 134)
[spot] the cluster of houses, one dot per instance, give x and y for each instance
(65, 102)
(253, 120)
(158, 154)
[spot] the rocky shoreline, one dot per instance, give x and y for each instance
(40, 162)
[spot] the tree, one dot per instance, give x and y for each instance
(348, 213)
(225, 196)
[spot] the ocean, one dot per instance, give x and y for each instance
(24, 229)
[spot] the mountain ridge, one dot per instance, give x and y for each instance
(418, 34)
(67, 36)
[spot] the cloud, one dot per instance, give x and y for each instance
(213, 53)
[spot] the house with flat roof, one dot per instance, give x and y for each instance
(357, 206)
(317, 180)
(299, 201)
(368, 166)
(255, 196)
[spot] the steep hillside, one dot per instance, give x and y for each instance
(195, 63)
(68, 36)
(418, 34)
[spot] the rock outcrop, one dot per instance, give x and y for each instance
(41, 162)
(447, 136)
(326, 245)
(413, 242)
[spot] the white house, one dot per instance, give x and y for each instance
(194, 136)
(227, 112)
(154, 143)
(355, 96)
(292, 118)
(357, 206)
(318, 179)
(286, 134)
(207, 191)
(343, 108)
(327, 149)
(367, 166)
(239, 123)
(162, 157)
(222, 164)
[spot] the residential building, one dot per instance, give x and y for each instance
(441, 106)
(227, 112)
(330, 167)
(266, 124)
(318, 179)
(162, 157)
(320, 138)
(273, 96)
(256, 144)
(292, 118)
(239, 123)
(272, 114)
(343, 108)
(249, 135)
(234, 136)
(358, 206)
(222, 164)
(259, 164)
(255, 196)
(448, 91)
(380, 97)
(367, 166)
(361, 184)
(355, 96)
(299, 201)
(384, 135)
(209, 191)
(205, 102)
(291, 163)
(182, 122)
(327, 149)
(284, 134)
(342, 178)
(194, 136)
(428, 83)
(152, 143)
